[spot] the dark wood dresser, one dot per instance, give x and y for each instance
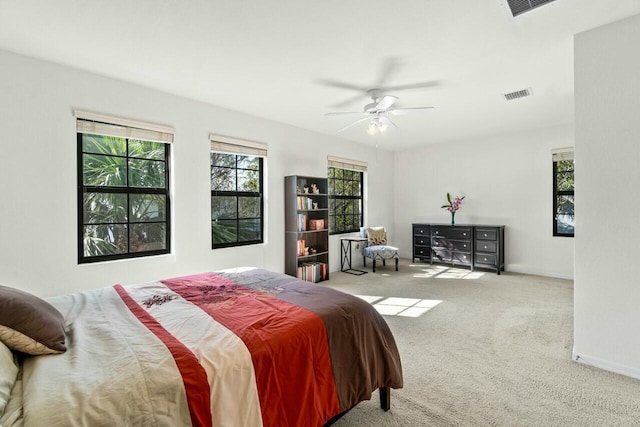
(479, 246)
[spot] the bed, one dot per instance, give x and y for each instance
(242, 347)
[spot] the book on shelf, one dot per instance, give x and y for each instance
(312, 271)
(301, 246)
(302, 222)
(305, 203)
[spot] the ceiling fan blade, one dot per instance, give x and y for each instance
(404, 111)
(342, 85)
(345, 113)
(354, 123)
(386, 102)
(389, 68)
(417, 85)
(349, 101)
(386, 118)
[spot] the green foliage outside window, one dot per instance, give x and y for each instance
(236, 200)
(564, 198)
(124, 197)
(345, 200)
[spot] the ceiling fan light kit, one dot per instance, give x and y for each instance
(378, 111)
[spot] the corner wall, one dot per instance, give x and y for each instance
(38, 213)
(507, 180)
(607, 153)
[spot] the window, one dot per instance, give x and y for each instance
(123, 190)
(563, 193)
(237, 202)
(345, 195)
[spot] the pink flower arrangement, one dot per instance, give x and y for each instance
(454, 204)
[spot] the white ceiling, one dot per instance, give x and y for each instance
(272, 58)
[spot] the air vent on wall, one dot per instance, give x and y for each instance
(519, 7)
(518, 94)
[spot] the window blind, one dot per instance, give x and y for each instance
(559, 154)
(339, 162)
(224, 144)
(100, 124)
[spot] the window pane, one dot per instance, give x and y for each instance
(224, 207)
(147, 207)
(565, 181)
(249, 207)
(148, 237)
(565, 165)
(332, 223)
(104, 240)
(104, 207)
(223, 179)
(248, 230)
(248, 180)
(146, 149)
(249, 162)
(224, 231)
(146, 173)
(100, 144)
(219, 159)
(101, 170)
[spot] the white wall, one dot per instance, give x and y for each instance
(38, 212)
(607, 285)
(507, 180)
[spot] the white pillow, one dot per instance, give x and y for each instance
(8, 375)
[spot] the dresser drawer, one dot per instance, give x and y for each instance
(421, 230)
(421, 241)
(486, 246)
(421, 252)
(461, 246)
(460, 233)
(441, 254)
(441, 243)
(486, 234)
(461, 258)
(486, 259)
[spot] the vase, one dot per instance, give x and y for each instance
(453, 218)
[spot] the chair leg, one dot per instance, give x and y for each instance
(374, 265)
(384, 262)
(364, 261)
(396, 264)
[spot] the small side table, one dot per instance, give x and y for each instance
(345, 258)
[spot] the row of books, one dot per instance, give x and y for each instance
(302, 222)
(306, 203)
(312, 271)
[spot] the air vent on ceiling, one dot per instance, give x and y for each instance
(519, 7)
(518, 94)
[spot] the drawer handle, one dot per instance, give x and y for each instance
(464, 234)
(485, 258)
(464, 246)
(421, 231)
(485, 246)
(485, 234)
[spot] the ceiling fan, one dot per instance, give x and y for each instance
(378, 112)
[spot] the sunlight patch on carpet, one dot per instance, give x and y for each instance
(444, 272)
(404, 307)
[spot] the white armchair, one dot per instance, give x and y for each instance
(376, 247)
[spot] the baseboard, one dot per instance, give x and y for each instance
(606, 365)
(515, 269)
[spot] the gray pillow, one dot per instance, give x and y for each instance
(30, 324)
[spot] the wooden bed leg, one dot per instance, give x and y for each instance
(385, 398)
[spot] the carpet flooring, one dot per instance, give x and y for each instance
(480, 349)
